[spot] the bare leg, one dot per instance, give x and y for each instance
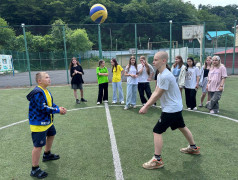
(75, 94)
(158, 143)
(188, 135)
(81, 93)
(36, 156)
(181, 90)
(208, 97)
(203, 97)
(49, 142)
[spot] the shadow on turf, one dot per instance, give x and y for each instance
(52, 170)
(191, 170)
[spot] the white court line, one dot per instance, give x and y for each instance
(231, 119)
(115, 153)
(13, 124)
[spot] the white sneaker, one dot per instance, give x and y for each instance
(195, 109)
(153, 105)
(98, 103)
(126, 107)
(189, 108)
(114, 102)
(106, 101)
(122, 102)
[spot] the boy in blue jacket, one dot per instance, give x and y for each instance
(41, 115)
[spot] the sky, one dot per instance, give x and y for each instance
(212, 2)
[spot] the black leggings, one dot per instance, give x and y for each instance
(190, 95)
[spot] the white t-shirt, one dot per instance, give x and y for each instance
(191, 77)
(133, 71)
(171, 100)
(144, 76)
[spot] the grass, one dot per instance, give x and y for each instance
(84, 145)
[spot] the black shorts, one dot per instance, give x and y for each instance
(172, 120)
(39, 138)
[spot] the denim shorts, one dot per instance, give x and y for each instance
(39, 138)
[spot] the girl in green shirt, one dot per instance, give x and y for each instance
(102, 77)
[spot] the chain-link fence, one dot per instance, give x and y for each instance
(50, 48)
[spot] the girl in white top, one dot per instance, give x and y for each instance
(191, 84)
(179, 71)
(145, 74)
(132, 81)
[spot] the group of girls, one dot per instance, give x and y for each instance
(138, 78)
(190, 78)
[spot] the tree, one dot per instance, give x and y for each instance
(7, 35)
(78, 40)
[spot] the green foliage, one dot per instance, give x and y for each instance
(7, 35)
(78, 40)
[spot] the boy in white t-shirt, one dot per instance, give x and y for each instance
(169, 94)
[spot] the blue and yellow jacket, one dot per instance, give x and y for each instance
(39, 111)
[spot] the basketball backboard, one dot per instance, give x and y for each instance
(192, 32)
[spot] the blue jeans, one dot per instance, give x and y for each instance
(131, 94)
(117, 86)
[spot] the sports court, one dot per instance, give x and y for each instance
(107, 142)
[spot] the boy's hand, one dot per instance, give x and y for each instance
(62, 110)
(143, 110)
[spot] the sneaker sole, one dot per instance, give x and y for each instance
(151, 168)
(44, 160)
(196, 153)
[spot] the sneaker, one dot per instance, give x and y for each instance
(195, 109)
(153, 105)
(114, 102)
(126, 107)
(189, 108)
(143, 104)
(134, 106)
(98, 103)
(77, 101)
(189, 150)
(212, 112)
(106, 101)
(153, 164)
(200, 105)
(38, 173)
(83, 100)
(50, 157)
(122, 102)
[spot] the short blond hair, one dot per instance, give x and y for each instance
(39, 76)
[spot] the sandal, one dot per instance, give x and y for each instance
(50, 157)
(38, 173)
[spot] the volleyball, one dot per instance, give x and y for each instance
(98, 13)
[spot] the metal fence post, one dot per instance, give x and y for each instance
(136, 40)
(65, 54)
(234, 48)
(27, 54)
(170, 42)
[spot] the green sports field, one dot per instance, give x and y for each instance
(84, 144)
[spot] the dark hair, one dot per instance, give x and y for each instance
(100, 62)
(167, 66)
(132, 57)
(71, 64)
(115, 64)
(190, 58)
(180, 63)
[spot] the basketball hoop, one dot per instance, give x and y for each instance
(190, 40)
